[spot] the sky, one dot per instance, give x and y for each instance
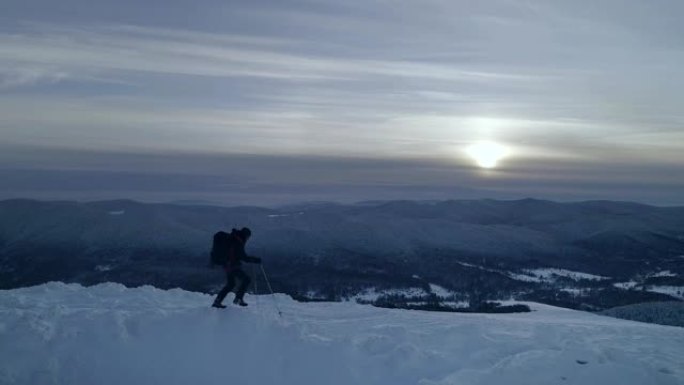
(276, 102)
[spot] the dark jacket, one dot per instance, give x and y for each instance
(236, 253)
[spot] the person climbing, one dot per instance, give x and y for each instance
(228, 250)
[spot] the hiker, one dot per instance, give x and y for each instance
(229, 251)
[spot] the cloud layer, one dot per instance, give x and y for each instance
(572, 88)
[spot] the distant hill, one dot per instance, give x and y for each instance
(533, 249)
(663, 313)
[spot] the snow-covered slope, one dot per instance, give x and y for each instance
(108, 334)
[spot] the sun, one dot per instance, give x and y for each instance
(487, 154)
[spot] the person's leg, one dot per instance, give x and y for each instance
(230, 283)
(244, 283)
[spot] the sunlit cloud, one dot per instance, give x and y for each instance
(560, 84)
(487, 154)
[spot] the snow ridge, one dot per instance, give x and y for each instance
(109, 334)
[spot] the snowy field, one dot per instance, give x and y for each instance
(108, 334)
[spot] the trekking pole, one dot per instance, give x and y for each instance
(275, 303)
(256, 286)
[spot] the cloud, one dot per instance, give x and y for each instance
(20, 76)
(276, 179)
(568, 84)
(128, 48)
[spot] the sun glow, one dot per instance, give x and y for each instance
(487, 154)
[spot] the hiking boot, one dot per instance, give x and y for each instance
(239, 301)
(218, 305)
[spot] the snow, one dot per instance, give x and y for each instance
(117, 212)
(551, 274)
(525, 278)
(108, 334)
(373, 294)
(312, 294)
(626, 285)
(663, 273)
(456, 304)
(466, 264)
(439, 291)
(368, 295)
(673, 291)
(103, 268)
(574, 291)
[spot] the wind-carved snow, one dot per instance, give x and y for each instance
(551, 274)
(103, 268)
(117, 212)
(108, 334)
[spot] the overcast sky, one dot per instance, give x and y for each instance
(268, 102)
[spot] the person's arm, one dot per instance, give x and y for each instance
(244, 257)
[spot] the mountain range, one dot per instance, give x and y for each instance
(593, 255)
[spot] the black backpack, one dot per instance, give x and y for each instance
(220, 248)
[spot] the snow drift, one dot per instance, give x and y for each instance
(109, 334)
